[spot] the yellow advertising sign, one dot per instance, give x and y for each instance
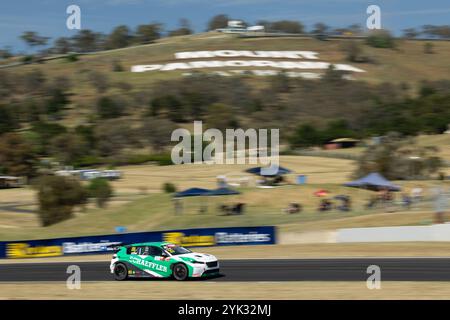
(181, 239)
(24, 250)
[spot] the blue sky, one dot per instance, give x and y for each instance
(48, 17)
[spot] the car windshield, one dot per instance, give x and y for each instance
(175, 250)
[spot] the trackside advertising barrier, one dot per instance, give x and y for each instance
(102, 244)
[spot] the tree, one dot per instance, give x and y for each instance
(337, 129)
(169, 187)
(320, 28)
(87, 133)
(184, 29)
(436, 31)
(380, 39)
(287, 26)
(410, 33)
(101, 190)
(117, 66)
(147, 33)
(33, 39)
(99, 80)
(120, 37)
(69, 148)
(305, 136)
(5, 53)
(333, 76)
(7, 119)
(281, 82)
(217, 22)
(57, 197)
(398, 158)
(168, 103)
(355, 28)
(353, 51)
(57, 101)
(62, 45)
(158, 131)
(33, 81)
(45, 131)
(221, 116)
(86, 41)
(16, 156)
(107, 108)
(112, 136)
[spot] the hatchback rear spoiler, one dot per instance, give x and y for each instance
(116, 247)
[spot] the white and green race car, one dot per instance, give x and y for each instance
(161, 260)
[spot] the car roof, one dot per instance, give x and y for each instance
(157, 244)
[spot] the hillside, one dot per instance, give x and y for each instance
(92, 109)
(407, 63)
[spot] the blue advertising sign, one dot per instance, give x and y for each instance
(104, 243)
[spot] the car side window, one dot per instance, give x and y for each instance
(132, 250)
(142, 251)
(155, 251)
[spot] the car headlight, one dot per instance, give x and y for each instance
(197, 262)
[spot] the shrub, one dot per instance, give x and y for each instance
(101, 190)
(381, 39)
(169, 187)
(89, 161)
(27, 59)
(161, 159)
(428, 48)
(72, 57)
(107, 108)
(57, 197)
(116, 66)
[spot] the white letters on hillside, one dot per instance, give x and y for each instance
(229, 61)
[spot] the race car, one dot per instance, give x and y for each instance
(161, 260)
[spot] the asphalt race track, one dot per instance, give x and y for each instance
(354, 269)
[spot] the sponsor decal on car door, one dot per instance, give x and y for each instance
(149, 259)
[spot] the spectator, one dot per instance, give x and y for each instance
(293, 208)
(325, 205)
(406, 201)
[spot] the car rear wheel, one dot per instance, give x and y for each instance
(180, 272)
(120, 272)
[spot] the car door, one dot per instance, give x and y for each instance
(147, 262)
(159, 262)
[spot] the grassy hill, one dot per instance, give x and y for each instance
(407, 63)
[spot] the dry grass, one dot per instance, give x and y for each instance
(226, 290)
(406, 64)
(319, 170)
(156, 210)
(442, 141)
(263, 206)
(380, 219)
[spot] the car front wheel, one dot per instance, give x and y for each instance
(120, 272)
(180, 272)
